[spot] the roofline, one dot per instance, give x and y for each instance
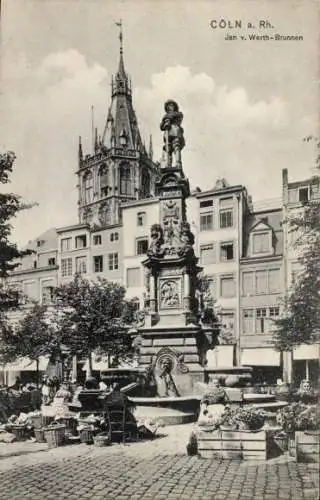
(229, 189)
(145, 201)
(72, 227)
(279, 209)
(33, 270)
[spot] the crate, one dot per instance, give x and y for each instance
(307, 444)
(86, 436)
(101, 440)
(55, 435)
(46, 420)
(39, 436)
(246, 445)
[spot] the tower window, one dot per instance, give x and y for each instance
(145, 184)
(103, 180)
(52, 261)
(88, 187)
(125, 179)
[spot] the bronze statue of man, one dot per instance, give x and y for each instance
(173, 132)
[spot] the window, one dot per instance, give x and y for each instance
(133, 277)
(145, 184)
(113, 261)
(304, 195)
(40, 243)
(141, 218)
(35, 264)
(97, 239)
(226, 212)
(247, 283)
(98, 263)
(227, 287)
(261, 314)
(47, 294)
(248, 321)
(30, 289)
(261, 242)
(65, 244)
(88, 187)
(66, 267)
(274, 313)
(125, 179)
(81, 241)
(227, 321)
(261, 282)
(141, 246)
(226, 218)
(52, 261)
(207, 255)
(274, 280)
(103, 180)
(114, 236)
(206, 221)
(226, 251)
(81, 265)
(206, 203)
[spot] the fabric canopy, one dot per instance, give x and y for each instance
(26, 364)
(305, 351)
(98, 364)
(260, 357)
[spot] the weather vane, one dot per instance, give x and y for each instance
(119, 24)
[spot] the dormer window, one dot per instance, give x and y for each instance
(261, 242)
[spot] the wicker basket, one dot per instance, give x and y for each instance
(55, 435)
(86, 436)
(20, 432)
(70, 423)
(36, 421)
(102, 440)
(39, 436)
(46, 420)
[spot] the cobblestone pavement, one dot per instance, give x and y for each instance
(154, 470)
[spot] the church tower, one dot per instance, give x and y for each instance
(120, 168)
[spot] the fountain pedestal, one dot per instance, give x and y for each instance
(172, 342)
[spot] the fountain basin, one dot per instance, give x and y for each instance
(173, 410)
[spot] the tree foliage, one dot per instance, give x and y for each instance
(301, 322)
(94, 316)
(10, 205)
(35, 335)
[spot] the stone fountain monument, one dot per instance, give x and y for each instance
(170, 337)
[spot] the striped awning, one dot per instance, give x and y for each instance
(305, 351)
(26, 364)
(260, 357)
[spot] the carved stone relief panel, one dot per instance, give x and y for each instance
(170, 293)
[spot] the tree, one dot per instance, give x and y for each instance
(301, 322)
(10, 205)
(94, 317)
(34, 336)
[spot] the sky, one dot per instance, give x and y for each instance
(247, 104)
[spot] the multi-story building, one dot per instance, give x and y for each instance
(245, 251)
